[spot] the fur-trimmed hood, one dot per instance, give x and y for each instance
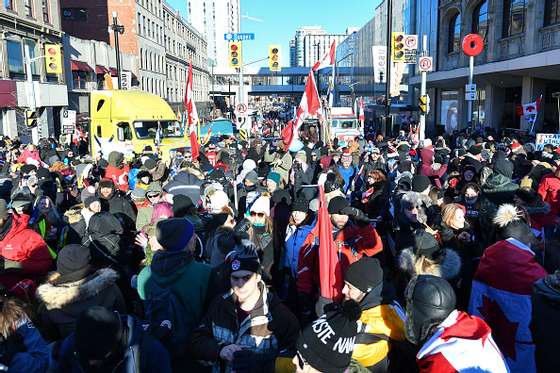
(60, 295)
(448, 269)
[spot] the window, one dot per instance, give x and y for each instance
(32, 45)
(454, 34)
(552, 12)
(15, 57)
(514, 17)
(9, 4)
(480, 19)
(45, 8)
(28, 8)
(79, 79)
(75, 14)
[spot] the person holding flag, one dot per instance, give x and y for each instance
(192, 115)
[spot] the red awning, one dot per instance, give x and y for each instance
(113, 71)
(101, 70)
(80, 66)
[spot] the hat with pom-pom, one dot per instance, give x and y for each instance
(511, 223)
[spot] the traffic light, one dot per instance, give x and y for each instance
(424, 104)
(397, 47)
(31, 118)
(53, 59)
(274, 58)
(235, 57)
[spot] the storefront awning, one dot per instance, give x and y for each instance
(113, 71)
(80, 66)
(101, 70)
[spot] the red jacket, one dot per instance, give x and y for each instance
(119, 177)
(352, 243)
(24, 245)
(549, 190)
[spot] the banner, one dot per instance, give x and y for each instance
(379, 63)
(547, 138)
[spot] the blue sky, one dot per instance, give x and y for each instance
(281, 18)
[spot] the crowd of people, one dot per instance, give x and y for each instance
(446, 256)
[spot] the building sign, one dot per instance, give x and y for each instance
(379, 63)
(68, 120)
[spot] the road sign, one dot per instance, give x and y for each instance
(239, 36)
(411, 41)
(470, 88)
(68, 120)
(243, 134)
(470, 96)
(241, 108)
(126, 80)
(425, 64)
(410, 56)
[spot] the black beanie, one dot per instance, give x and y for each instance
(327, 344)
(27, 169)
(337, 204)
(426, 245)
(503, 167)
(174, 234)
(244, 257)
(106, 183)
(97, 331)
(43, 173)
(181, 205)
(475, 150)
(420, 183)
(73, 263)
(365, 274)
(300, 204)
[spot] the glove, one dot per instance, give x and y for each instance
(9, 347)
(247, 361)
(357, 215)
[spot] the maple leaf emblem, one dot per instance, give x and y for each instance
(503, 330)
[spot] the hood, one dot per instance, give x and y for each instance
(104, 223)
(19, 223)
(168, 266)
(427, 156)
(115, 159)
(549, 289)
(499, 181)
(58, 296)
(448, 269)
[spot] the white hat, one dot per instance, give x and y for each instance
(261, 204)
(218, 200)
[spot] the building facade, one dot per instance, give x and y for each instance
(184, 44)
(213, 19)
(297, 49)
(519, 63)
(27, 27)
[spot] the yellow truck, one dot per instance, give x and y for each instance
(128, 121)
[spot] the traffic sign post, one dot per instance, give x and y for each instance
(472, 46)
(425, 65)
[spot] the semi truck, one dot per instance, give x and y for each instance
(344, 124)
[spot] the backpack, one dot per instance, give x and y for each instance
(169, 320)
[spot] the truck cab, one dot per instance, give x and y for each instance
(344, 124)
(128, 121)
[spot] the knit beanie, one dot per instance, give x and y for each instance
(327, 344)
(97, 332)
(87, 192)
(181, 205)
(301, 156)
(274, 176)
(244, 257)
(252, 176)
(365, 274)
(503, 167)
(337, 204)
(138, 195)
(261, 204)
(426, 245)
(73, 263)
(218, 200)
(174, 234)
(420, 183)
(475, 150)
(300, 204)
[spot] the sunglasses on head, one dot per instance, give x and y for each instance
(258, 214)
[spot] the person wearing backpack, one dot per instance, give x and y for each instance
(381, 345)
(105, 341)
(174, 286)
(246, 329)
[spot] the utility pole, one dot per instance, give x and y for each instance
(318, 45)
(31, 92)
(387, 121)
(117, 29)
(422, 123)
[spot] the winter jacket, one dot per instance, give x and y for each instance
(461, 344)
(141, 352)
(35, 357)
(117, 172)
(295, 237)
(499, 189)
(187, 279)
(122, 207)
(434, 171)
(545, 323)
(549, 190)
(186, 184)
(62, 303)
(270, 329)
(348, 175)
(23, 245)
(352, 242)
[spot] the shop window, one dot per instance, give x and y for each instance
(514, 17)
(15, 59)
(79, 79)
(552, 12)
(449, 112)
(9, 4)
(454, 35)
(480, 19)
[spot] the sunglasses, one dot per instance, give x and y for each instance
(258, 214)
(301, 361)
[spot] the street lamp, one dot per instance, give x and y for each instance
(117, 29)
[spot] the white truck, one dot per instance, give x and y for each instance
(344, 124)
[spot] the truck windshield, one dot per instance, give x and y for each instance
(345, 124)
(148, 129)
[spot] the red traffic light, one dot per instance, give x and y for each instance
(234, 47)
(52, 51)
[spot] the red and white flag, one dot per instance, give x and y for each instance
(501, 296)
(532, 108)
(361, 115)
(328, 58)
(308, 106)
(461, 343)
(192, 115)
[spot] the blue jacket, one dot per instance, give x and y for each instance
(295, 236)
(144, 353)
(36, 357)
(132, 178)
(348, 175)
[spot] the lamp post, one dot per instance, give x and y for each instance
(117, 29)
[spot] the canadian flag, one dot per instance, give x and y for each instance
(532, 108)
(308, 106)
(361, 115)
(328, 59)
(192, 115)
